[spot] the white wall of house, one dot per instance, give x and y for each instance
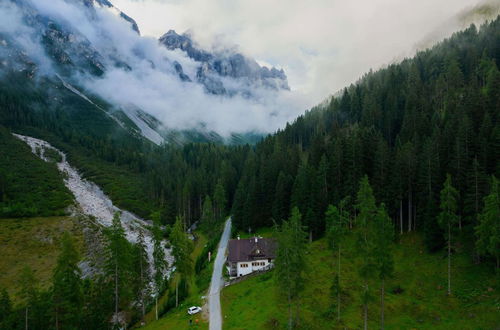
(247, 267)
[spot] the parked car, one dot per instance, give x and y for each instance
(193, 310)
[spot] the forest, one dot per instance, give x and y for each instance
(420, 137)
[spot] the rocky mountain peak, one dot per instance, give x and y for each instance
(214, 66)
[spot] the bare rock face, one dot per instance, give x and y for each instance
(215, 67)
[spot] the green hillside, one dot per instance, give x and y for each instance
(28, 185)
(34, 243)
(416, 295)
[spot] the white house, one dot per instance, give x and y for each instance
(249, 255)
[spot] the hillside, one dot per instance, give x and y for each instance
(35, 243)
(35, 188)
(416, 296)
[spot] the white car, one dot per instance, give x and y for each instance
(193, 310)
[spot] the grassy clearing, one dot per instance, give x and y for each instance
(32, 242)
(423, 303)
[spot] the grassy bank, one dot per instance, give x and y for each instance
(415, 298)
(32, 242)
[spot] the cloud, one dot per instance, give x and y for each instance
(323, 45)
(152, 83)
(26, 38)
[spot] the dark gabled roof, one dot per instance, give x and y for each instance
(249, 249)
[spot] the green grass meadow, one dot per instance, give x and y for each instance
(416, 296)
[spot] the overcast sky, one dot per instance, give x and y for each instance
(323, 45)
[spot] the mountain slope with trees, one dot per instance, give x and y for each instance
(405, 127)
(408, 151)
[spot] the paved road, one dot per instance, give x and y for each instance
(216, 284)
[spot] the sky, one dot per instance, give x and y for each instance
(323, 45)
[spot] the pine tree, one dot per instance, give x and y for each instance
(384, 263)
(5, 309)
(159, 262)
(336, 224)
(118, 264)
(367, 213)
(281, 198)
(181, 251)
(207, 215)
(28, 293)
(67, 291)
(143, 275)
(290, 261)
(238, 209)
(220, 200)
(448, 217)
(488, 228)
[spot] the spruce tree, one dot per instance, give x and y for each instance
(220, 201)
(143, 274)
(118, 265)
(367, 212)
(28, 293)
(336, 224)
(488, 228)
(448, 217)
(384, 261)
(181, 251)
(290, 261)
(5, 309)
(281, 198)
(207, 215)
(159, 262)
(67, 294)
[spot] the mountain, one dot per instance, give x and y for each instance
(214, 67)
(84, 45)
(106, 3)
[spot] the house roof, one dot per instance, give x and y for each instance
(249, 249)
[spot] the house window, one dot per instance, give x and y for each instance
(244, 265)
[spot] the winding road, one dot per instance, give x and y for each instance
(216, 284)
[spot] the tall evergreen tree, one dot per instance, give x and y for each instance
(181, 251)
(281, 199)
(488, 228)
(336, 224)
(67, 291)
(384, 261)
(118, 265)
(448, 217)
(367, 209)
(159, 262)
(207, 216)
(28, 293)
(220, 200)
(290, 261)
(143, 275)
(5, 309)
